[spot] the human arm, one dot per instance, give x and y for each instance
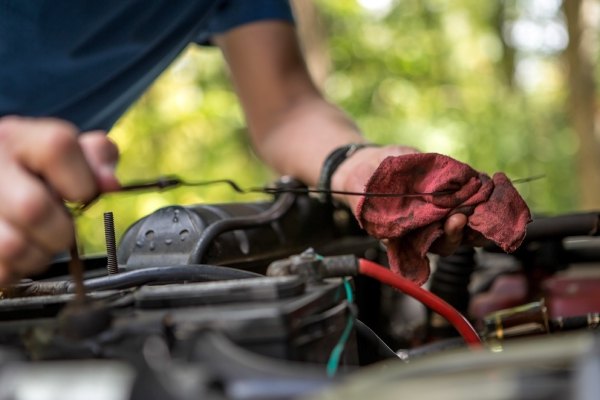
(42, 162)
(292, 127)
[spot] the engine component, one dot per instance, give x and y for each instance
(177, 326)
(450, 281)
(568, 296)
(528, 319)
(533, 319)
(227, 234)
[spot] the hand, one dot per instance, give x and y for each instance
(354, 173)
(42, 162)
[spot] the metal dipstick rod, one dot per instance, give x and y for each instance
(76, 271)
(169, 182)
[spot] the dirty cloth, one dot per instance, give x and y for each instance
(412, 223)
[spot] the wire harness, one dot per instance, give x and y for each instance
(315, 267)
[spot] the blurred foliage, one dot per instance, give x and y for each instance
(429, 73)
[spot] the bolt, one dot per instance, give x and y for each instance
(111, 244)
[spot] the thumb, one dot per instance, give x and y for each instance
(102, 155)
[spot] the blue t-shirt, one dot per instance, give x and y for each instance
(86, 61)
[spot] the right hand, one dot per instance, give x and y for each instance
(354, 173)
(44, 161)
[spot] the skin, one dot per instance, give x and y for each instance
(42, 161)
(293, 128)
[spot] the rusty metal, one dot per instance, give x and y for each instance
(76, 271)
(81, 318)
(112, 264)
(524, 320)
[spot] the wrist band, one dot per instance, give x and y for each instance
(333, 161)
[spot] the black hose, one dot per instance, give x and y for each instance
(164, 275)
(450, 281)
(559, 227)
(452, 276)
(281, 206)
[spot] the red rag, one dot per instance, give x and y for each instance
(412, 223)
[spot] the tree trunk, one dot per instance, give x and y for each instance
(582, 99)
(507, 64)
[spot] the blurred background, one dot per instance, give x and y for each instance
(504, 85)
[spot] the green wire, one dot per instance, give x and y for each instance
(348, 288)
(336, 353)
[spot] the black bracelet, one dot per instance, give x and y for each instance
(331, 164)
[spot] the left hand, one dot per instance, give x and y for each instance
(43, 161)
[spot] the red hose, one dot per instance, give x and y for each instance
(384, 275)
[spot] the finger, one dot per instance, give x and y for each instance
(33, 209)
(49, 148)
(454, 225)
(453, 235)
(18, 255)
(102, 156)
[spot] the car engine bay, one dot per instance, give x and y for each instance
(286, 299)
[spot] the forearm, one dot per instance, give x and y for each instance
(302, 136)
(299, 142)
(292, 127)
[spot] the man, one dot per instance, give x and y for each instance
(70, 68)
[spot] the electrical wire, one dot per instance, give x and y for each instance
(384, 275)
(334, 359)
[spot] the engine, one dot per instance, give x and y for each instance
(285, 299)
